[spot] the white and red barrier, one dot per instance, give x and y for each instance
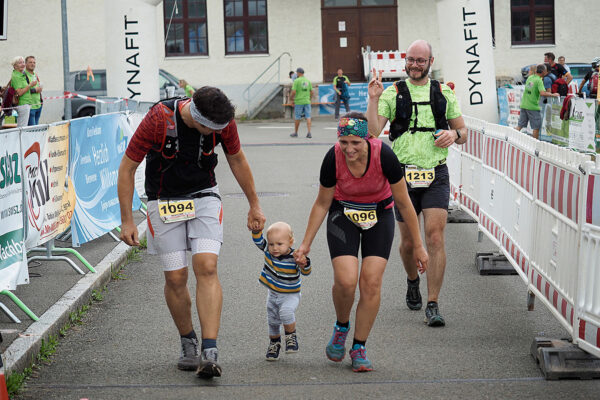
(391, 63)
(492, 182)
(470, 159)
(588, 296)
(540, 204)
(517, 221)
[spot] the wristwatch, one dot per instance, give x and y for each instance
(457, 134)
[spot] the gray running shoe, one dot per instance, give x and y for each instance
(295, 134)
(189, 359)
(291, 343)
(308, 135)
(208, 366)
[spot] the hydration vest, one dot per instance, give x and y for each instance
(170, 148)
(405, 106)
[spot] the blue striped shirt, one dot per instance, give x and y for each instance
(280, 274)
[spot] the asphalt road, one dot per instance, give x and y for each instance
(127, 346)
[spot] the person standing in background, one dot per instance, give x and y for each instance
(300, 99)
(189, 90)
(22, 86)
(340, 85)
(561, 61)
(530, 101)
(36, 91)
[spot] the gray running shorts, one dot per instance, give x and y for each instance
(167, 238)
(532, 116)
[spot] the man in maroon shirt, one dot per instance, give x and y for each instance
(178, 139)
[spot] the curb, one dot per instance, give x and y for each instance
(23, 349)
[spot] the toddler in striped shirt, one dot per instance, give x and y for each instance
(281, 274)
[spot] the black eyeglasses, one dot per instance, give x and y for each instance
(419, 61)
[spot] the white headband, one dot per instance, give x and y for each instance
(201, 119)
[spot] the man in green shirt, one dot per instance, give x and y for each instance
(421, 141)
(22, 86)
(530, 101)
(35, 91)
(300, 99)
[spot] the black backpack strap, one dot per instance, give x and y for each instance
(438, 105)
(403, 110)
(170, 147)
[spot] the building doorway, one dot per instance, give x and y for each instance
(348, 25)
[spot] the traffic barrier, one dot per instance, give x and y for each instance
(554, 261)
(517, 221)
(588, 299)
(492, 182)
(470, 159)
(540, 204)
(391, 63)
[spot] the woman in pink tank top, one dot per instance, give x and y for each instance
(361, 179)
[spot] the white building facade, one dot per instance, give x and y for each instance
(229, 43)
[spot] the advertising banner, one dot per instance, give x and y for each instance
(50, 196)
(509, 101)
(97, 146)
(582, 124)
(359, 96)
(554, 127)
(13, 261)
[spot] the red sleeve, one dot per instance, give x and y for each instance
(150, 133)
(230, 140)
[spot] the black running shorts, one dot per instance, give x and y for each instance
(344, 238)
(437, 195)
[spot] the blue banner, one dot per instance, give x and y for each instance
(358, 98)
(97, 145)
(503, 106)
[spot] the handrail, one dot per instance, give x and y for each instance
(248, 96)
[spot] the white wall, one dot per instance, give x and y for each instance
(574, 36)
(293, 26)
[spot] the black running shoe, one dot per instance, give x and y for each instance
(273, 351)
(432, 315)
(413, 295)
(208, 367)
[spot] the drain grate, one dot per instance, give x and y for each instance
(259, 194)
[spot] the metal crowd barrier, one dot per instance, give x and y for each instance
(540, 204)
(43, 245)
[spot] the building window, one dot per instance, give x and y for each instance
(532, 21)
(246, 27)
(3, 18)
(185, 28)
(493, 23)
(357, 3)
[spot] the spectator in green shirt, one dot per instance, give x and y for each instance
(35, 91)
(300, 99)
(22, 85)
(530, 102)
(189, 90)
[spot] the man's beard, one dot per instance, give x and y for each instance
(422, 75)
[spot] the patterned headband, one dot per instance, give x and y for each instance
(201, 119)
(353, 126)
